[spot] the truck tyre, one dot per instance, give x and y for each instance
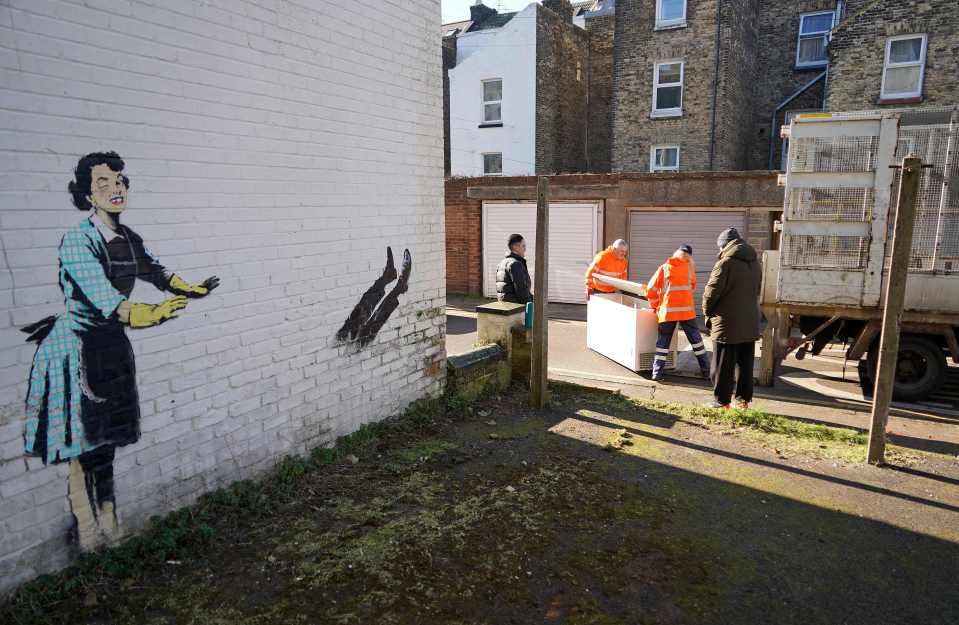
(920, 372)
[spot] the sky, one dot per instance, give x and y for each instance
(456, 10)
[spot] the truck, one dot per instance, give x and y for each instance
(826, 281)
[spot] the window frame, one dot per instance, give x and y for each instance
(921, 64)
(484, 101)
(674, 111)
(824, 34)
(483, 158)
(652, 158)
(662, 24)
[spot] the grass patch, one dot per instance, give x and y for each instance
(189, 531)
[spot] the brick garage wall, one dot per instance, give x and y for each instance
(637, 47)
(776, 76)
(858, 49)
(601, 31)
(464, 238)
(562, 52)
(272, 144)
(756, 191)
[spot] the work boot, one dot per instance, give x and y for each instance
(658, 367)
(704, 366)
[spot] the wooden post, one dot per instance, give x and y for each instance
(767, 359)
(539, 393)
(892, 311)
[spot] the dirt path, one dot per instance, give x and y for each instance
(507, 515)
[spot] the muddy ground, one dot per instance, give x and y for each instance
(596, 511)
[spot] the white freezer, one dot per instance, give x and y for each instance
(622, 327)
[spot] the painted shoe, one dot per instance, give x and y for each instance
(742, 405)
(389, 272)
(716, 405)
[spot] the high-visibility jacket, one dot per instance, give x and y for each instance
(606, 263)
(670, 290)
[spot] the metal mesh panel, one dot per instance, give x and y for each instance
(646, 361)
(831, 203)
(833, 154)
(934, 241)
(824, 252)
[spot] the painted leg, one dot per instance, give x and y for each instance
(364, 309)
(369, 330)
(82, 508)
(98, 473)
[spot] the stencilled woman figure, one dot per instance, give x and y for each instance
(82, 401)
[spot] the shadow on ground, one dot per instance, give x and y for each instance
(592, 512)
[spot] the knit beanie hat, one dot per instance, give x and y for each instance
(727, 235)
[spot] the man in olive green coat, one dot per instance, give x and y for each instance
(731, 307)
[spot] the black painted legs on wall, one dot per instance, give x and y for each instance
(367, 318)
(91, 495)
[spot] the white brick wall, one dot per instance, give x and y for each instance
(279, 144)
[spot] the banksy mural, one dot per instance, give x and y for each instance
(367, 317)
(82, 401)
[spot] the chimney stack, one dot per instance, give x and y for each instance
(563, 8)
(479, 12)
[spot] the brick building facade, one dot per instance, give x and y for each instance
(562, 59)
(566, 127)
(858, 52)
(276, 149)
(740, 68)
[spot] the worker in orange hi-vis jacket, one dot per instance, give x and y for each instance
(670, 294)
(610, 262)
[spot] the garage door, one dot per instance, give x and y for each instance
(655, 235)
(574, 237)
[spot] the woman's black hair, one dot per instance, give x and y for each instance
(83, 176)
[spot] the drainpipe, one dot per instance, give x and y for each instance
(782, 105)
(712, 125)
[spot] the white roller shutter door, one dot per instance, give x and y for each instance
(655, 235)
(574, 233)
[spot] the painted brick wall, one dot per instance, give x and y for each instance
(279, 145)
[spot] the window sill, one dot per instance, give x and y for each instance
(669, 26)
(491, 125)
(665, 114)
(910, 100)
(664, 171)
(811, 67)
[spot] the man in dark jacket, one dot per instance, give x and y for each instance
(731, 306)
(512, 277)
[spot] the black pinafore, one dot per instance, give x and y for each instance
(111, 404)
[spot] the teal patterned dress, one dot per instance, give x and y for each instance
(83, 392)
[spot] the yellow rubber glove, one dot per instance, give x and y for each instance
(148, 315)
(181, 286)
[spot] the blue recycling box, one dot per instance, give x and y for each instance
(529, 314)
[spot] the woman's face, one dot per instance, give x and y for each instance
(108, 190)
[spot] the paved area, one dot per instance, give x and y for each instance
(821, 388)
